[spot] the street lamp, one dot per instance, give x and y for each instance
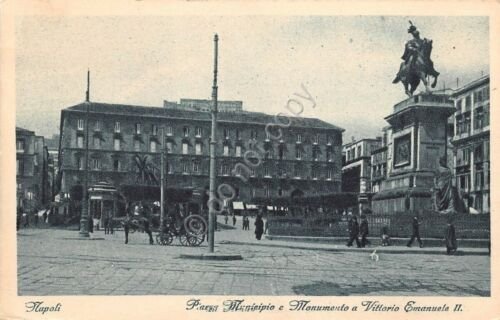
(211, 211)
(84, 218)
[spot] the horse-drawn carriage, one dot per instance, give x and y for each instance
(191, 231)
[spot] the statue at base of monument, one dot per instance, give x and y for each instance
(417, 63)
(447, 199)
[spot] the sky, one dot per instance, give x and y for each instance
(347, 63)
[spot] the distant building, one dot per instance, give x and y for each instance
(356, 168)
(472, 143)
(379, 162)
(125, 139)
(52, 145)
(32, 160)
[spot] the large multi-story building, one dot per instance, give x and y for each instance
(33, 185)
(126, 140)
(356, 168)
(472, 143)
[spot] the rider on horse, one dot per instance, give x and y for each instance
(414, 49)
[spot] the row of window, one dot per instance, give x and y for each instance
(198, 132)
(480, 95)
(194, 168)
(154, 147)
(463, 181)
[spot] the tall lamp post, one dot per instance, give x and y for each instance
(84, 218)
(211, 211)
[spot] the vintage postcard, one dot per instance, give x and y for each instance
(192, 160)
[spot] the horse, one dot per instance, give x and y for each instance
(137, 224)
(417, 69)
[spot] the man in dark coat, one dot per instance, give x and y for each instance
(363, 231)
(450, 238)
(259, 227)
(353, 232)
(415, 232)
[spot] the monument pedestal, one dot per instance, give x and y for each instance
(416, 140)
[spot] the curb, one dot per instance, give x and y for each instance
(212, 256)
(366, 250)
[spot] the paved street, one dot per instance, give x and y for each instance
(50, 263)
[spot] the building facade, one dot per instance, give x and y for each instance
(471, 142)
(356, 168)
(126, 140)
(32, 160)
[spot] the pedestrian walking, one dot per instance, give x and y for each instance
(234, 220)
(450, 238)
(44, 216)
(415, 232)
(246, 225)
(363, 231)
(353, 232)
(259, 227)
(265, 227)
(106, 224)
(243, 222)
(226, 218)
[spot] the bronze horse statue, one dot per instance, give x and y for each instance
(417, 65)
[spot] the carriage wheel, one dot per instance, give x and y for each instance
(195, 240)
(183, 239)
(167, 238)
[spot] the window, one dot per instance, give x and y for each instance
(329, 174)
(299, 138)
(268, 135)
(185, 168)
(97, 142)
(314, 173)
(479, 180)
(281, 152)
(152, 146)
(170, 131)
(198, 132)
(266, 191)
(238, 151)
(237, 134)
(329, 140)
(226, 133)
(478, 153)
(196, 167)
(169, 147)
(116, 165)
(467, 103)
(117, 127)
(96, 164)
(269, 153)
(225, 170)
(478, 118)
(197, 148)
(185, 148)
(97, 125)
(226, 151)
(19, 167)
(80, 124)
(298, 153)
(79, 141)
(137, 145)
(266, 172)
(280, 192)
(154, 129)
(170, 168)
(315, 154)
(79, 162)
(296, 172)
(138, 128)
(116, 144)
(328, 154)
(185, 130)
(35, 161)
(20, 145)
(316, 138)
(359, 152)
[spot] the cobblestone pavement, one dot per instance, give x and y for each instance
(51, 263)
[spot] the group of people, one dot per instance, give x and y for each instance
(23, 219)
(357, 230)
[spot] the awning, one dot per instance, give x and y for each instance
(251, 206)
(269, 208)
(238, 205)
